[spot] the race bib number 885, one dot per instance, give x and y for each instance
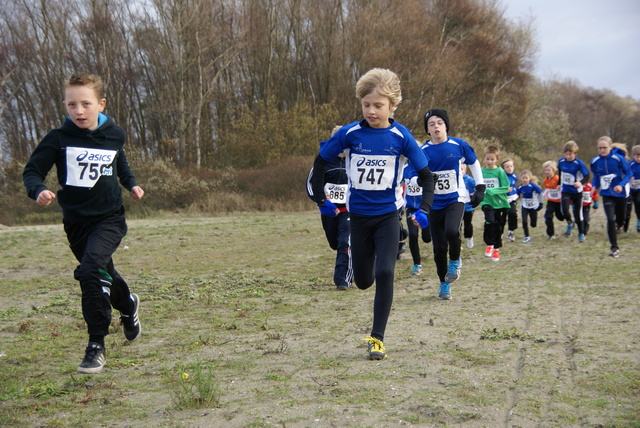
(372, 172)
(86, 166)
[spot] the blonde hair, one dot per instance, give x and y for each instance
(607, 139)
(534, 179)
(526, 172)
(551, 164)
(621, 146)
(570, 146)
(91, 80)
(386, 82)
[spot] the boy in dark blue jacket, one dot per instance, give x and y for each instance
(88, 151)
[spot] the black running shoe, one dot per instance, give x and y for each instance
(131, 323)
(94, 359)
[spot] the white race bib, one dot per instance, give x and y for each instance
(635, 184)
(336, 193)
(586, 198)
(445, 183)
(605, 181)
(86, 166)
(567, 179)
(414, 190)
(554, 194)
(492, 182)
(531, 203)
(372, 172)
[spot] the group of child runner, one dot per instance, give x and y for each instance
(363, 178)
(385, 174)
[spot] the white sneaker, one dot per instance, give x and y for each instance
(469, 242)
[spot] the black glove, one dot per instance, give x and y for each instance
(539, 207)
(478, 196)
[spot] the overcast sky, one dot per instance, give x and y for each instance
(594, 42)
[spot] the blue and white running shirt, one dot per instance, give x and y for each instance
(445, 160)
(570, 172)
(375, 162)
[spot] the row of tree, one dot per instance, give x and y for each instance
(211, 83)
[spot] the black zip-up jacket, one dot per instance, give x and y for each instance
(89, 164)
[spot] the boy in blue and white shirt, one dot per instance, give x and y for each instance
(611, 174)
(446, 155)
(530, 194)
(573, 175)
(377, 149)
(337, 228)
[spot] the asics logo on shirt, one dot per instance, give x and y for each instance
(94, 157)
(371, 162)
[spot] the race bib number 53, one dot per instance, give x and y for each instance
(372, 172)
(86, 166)
(446, 182)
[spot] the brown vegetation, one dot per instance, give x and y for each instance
(209, 85)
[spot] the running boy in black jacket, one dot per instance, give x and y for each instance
(88, 151)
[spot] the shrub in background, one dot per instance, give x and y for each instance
(279, 186)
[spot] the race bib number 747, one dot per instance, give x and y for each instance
(371, 172)
(86, 166)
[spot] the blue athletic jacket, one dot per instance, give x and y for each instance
(610, 171)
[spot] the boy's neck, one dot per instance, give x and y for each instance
(440, 140)
(490, 167)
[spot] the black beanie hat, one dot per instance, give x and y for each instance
(436, 112)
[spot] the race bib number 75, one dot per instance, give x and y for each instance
(86, 166)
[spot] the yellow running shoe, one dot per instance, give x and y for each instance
(375, 348)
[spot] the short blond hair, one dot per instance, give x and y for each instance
(551, 164)
(570, 146)
(385, 81)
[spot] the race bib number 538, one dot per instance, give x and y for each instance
(372, 172)
(86, 166)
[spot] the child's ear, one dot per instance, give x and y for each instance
(101, 104)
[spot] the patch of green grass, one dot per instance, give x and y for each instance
(194, 386)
